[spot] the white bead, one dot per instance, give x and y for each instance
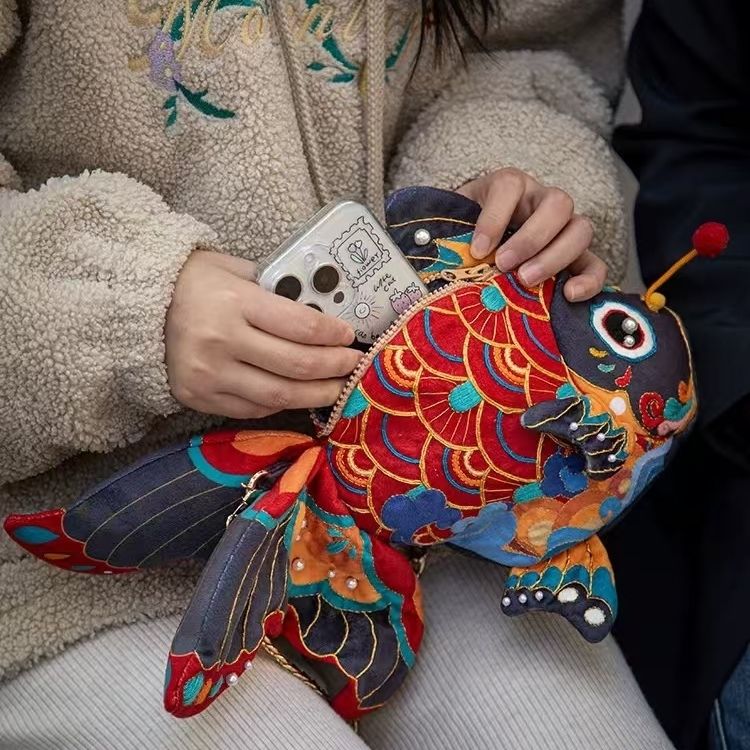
(618, 405)
(351, 583)
(594, 616)
(611, 458)
(522, 598)
(567, 595)
(232, 678)
(304, 523)
(506, 601)
(248, 664)
(601, 437)
(628, 342)
(298, 564)
(573, 426)
(422, 237)
(331, 573)
(539, 595)
(629, 325)
(298, 537)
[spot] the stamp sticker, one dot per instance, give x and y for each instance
(359, 252)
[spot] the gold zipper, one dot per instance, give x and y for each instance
(457, 278)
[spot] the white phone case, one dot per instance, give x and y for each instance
(371, 283)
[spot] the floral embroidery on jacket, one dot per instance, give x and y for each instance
(188, 27)
(164, 63)
(337, 66)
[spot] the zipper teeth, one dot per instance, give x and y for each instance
(325, 428)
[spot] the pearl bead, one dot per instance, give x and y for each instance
(304, 523)
(611, 458)
(601, 437)
(298, 564)
(539, 595)
(629, 325)
(351, 583)
(422, 237)
(506, 601)
(567, 595)
(248, 664)
(522, 598)
(573, 426)
(298, 537)
(331, 573)
(594, 617)
(628, 342)
(232, 678)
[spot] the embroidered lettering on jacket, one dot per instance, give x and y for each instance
(205, 27)
(320, 23)
(184, 23)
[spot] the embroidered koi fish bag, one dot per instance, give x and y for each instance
(499, 419)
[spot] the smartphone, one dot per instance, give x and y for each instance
(344, 263)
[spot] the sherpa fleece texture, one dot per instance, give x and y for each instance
(129, 137)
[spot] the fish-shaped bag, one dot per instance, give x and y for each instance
(502, 420)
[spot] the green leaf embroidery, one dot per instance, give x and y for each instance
(170, 102)
(196, 100)
(342, 78)
(331, 46)
(172, 119)
(176, 29)
(316, 66)
(392, 59)
(239, 4)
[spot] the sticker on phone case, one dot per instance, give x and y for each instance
(402, 301)
(359, 252)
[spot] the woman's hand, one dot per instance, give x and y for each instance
(550, 237)
(240, 351)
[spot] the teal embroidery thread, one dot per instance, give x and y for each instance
(338, 67)
(464, 397)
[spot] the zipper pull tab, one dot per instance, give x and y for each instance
(473, 273)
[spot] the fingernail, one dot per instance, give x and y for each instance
(575, 291)
(530, 274)
(504, 260)
(347, 334)
(480, 245)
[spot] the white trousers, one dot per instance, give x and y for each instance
(483, 681)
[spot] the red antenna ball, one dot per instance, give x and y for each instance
(710, 239)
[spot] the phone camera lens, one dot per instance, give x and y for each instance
(314, 307)
(289, 287)
(325, 279)
(338, 298)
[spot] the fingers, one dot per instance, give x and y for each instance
(234, 407)
(589, 275)
(499, 195)
(547, 219)
(292, 321)
(277, 393)
(563, 250)
(292, 360)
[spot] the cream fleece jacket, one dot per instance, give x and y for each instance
(133, 132)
